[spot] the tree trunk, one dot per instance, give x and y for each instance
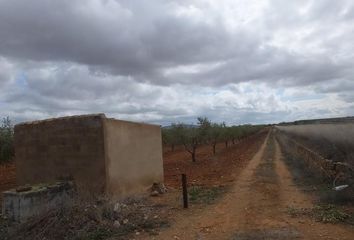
(214, 148)
(172, 147)
(193, 156)
(226, 143)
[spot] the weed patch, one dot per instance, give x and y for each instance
(309, 181)
(204, 195)
(326, 213)
(329, 213)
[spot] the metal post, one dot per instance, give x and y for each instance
(185, 192)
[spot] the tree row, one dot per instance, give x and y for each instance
(204, 133)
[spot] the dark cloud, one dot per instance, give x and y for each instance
(143, 39)
(124, 39)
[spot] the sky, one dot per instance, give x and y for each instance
(161, 61)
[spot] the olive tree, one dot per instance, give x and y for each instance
(226, 134)
(193, 136)
(205, 132)
(6, 140)
(170, 137)
(215, 135)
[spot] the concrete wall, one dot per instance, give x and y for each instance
(62, 148)
(133, 156)
(20, 206)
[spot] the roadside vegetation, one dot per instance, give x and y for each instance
(327, 213)
(191, 137)
(330, 206)
(332, 141)
(205, 195)
(6, 140)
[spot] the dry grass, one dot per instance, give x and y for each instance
(326, 213)
(97, 221)
(205, 195)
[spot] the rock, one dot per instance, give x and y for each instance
(23, 188)
(117, 207)
(154, 193)
(125, 221)
(116, 224)
(159, 187)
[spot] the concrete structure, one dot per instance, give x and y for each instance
(101, 155)
(20, 204)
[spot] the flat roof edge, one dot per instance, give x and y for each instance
(132, 122)
(101, 115)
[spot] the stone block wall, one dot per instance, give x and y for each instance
(101, 155)
(61, 148)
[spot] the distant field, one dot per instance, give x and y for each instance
(332, 141)
(341, 120)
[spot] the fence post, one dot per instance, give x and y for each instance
(184, 190)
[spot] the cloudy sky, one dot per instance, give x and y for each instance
(160, 61)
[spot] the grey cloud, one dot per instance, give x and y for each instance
(7, 71)
(348, 97)
(129, 41)
(336, 86)
(293, 14)
(127, 58)
(277, 68)
(141, 39)
(71, 89)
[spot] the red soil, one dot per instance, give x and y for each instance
(7, 177)
(208, 169)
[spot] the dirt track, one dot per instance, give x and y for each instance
(256, 207)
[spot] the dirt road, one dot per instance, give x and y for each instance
(257, 207)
